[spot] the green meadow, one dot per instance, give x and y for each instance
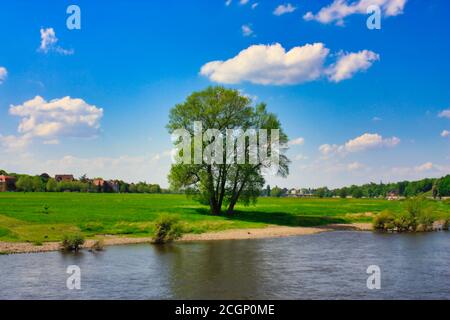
(40, 217)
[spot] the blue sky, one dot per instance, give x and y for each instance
(133, 60)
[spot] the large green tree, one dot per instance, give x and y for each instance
(224, 184)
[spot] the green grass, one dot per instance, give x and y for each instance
(23, 218)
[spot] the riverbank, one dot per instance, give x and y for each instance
(233, 234)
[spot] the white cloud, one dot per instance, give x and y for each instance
(11, 143)
(3, 74)
(49, 43)
(297, 142)
(246, 30)
(354, 166)
(377, 119)
(243, 2)
(255, 5)
(368, 141)
(445, 114)
(228, 2)
(425, 170)
(340, 9)
(424, 167)
(272, 65)
(57, 118)
(350, 63)
(328, 149)
(361, 143)
(51, 142)
(445, 134)
(300, 157)
(283, 9)
(269, 64)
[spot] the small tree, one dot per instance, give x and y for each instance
(435, 189)
(51, 185)
(268, 191)
(357, 193)
(343, 193)
(167, 229)
(37, 184)
(72, 242)
(25, 184)
(276, 192)
(321, 192)
(415, 208)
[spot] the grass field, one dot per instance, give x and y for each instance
(23, 217)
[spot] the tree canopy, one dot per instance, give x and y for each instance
(225, 182)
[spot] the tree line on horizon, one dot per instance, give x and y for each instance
(44, 183)
(434, 187)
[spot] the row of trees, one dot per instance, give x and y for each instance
(430, 186)
(27, 183)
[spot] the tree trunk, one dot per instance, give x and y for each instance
(230, 210)
(215, 210)
(212, 193)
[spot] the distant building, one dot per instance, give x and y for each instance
(7, 183)
(299, 193)
(106, 186)
(393, 195)
(98, 182)
(64, 177)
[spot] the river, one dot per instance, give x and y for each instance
(329, 265)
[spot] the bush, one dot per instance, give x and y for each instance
(417, 216)
(385, 220)
(446, 224)
(425, 219)
(404, 222)
(416, 208)
(167, 229)
(72, 242)
(98, 245)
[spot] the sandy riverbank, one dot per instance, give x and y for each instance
(234, 234)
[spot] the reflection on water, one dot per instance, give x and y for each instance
(328, 266)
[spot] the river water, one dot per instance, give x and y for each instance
(329, 265)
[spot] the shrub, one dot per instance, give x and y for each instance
(415, 207)
(446, 224)
(385, 220)
(167, 229)
(72, 242)
(403, 222)
(417, 216)
(426, 219)
(99, 245)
